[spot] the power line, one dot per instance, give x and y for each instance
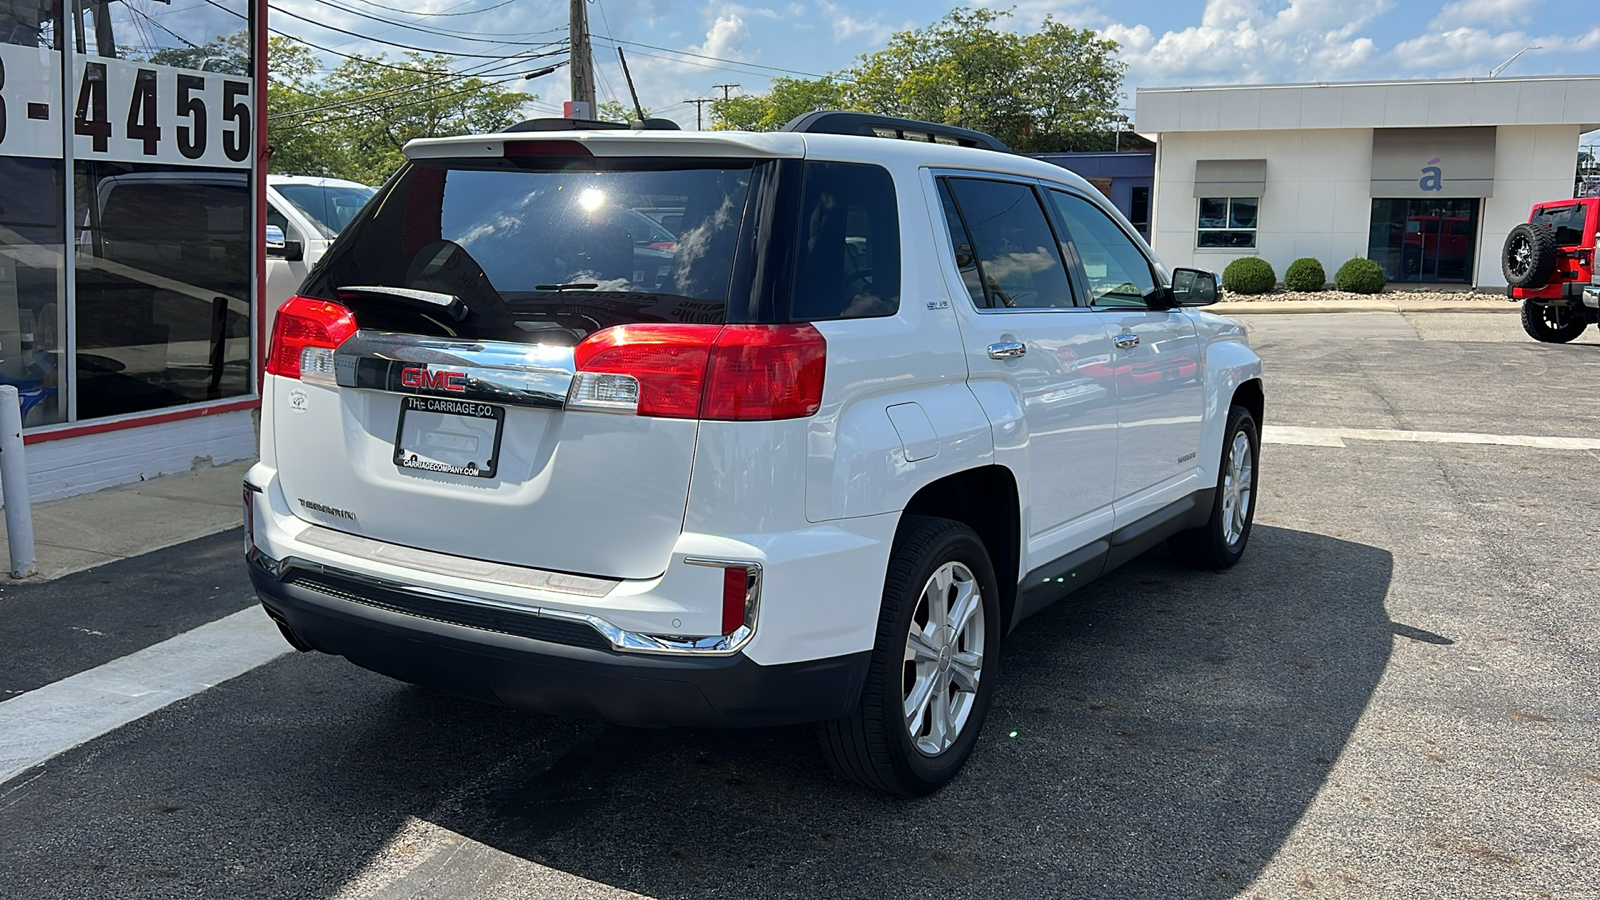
(704, 56)
(725, 89)
(386, 42)
(436, 32)
(356, 101)
(366, 59)
(470, 12)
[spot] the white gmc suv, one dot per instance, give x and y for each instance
(881, 391)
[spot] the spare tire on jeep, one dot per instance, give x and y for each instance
(1529, 256)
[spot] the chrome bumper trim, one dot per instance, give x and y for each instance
(621, 641)
(456, 566)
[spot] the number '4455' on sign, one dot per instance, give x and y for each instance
(141, 113)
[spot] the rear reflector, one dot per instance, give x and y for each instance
(304, 336)
(735, 593)
(726, 372)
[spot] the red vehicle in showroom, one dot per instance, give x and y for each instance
(1549, 263)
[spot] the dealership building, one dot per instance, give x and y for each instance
(131, 188)
(1425, 177)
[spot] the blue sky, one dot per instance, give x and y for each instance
(1165, 42)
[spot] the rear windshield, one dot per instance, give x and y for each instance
(550, 248)
(1566, 221)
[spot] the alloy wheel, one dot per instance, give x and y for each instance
(1236, 488)
(943, 659)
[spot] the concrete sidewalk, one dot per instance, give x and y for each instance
(1397, 302)
(81, 532)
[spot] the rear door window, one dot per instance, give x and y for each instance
(1017, 256)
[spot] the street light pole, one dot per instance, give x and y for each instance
(1495, 72)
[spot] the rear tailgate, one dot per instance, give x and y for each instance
(442, 421)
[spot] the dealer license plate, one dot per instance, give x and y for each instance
(453, 437)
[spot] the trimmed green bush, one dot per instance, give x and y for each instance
(1360, 276)
(1305, 274)
(1249, 275)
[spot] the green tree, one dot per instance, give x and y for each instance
(787, 98)
(1052, 89)
(615, 111)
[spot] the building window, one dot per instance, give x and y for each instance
(1139, 209)
(1227, 222)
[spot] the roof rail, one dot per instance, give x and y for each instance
(554, 124)
(873, 125)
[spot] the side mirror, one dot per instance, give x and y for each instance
(279, 247)
(1194, 287)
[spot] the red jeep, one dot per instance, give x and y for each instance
(1549, 263)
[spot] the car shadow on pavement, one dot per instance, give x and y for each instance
(1158, 733)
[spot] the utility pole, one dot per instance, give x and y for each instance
(582, 61)
(725, 89)
(698, 106)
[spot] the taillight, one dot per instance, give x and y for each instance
(304, 336)
(765, 372)
(731, 372)
(653, 370)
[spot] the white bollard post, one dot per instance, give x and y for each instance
(14, 485)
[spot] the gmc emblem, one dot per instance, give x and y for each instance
(434, 381)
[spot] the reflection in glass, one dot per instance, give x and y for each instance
(330, 207)
(1431, 240)
(27, 23)
(163, 281)
(1017, 252)
(1117, 270)
(1242, 212)
(32, 316)
(204, 35)
(1214, 212)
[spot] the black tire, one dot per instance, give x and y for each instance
(1529, 256)
(873, 745)
(1552, 324)
(1210, 546)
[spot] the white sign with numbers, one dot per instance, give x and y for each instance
(125, 110)
(137, 112)
(30, 102)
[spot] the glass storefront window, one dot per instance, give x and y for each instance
(32, 315)
(163, 270)
(1431, 240)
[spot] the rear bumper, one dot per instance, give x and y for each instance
(551, 675)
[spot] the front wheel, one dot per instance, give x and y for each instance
(1552, 324)
(1220, 542)
(934, 664)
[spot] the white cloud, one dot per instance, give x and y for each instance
(847, 27)
(725, 38)
(1473, 51)
(1471, 12)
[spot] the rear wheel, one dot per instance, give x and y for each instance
(1552, 324)
(1528, 257)
(934, 665)
(1220, 542)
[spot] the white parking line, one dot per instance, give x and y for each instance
(1335, 437)
(59, 716)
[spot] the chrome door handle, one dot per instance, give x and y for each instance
(1008, 350)
(1126, 341)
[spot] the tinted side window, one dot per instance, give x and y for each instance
(1018, 258)
(1117, 272)
(966, 260)
(847, 262)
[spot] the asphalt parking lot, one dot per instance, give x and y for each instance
(1396, 694)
